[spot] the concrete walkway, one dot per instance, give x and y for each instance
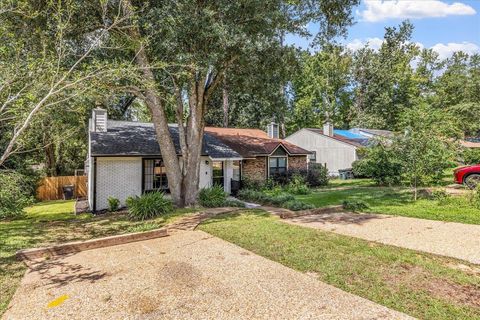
(189, 275)
(457, 240)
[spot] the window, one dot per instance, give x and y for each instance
(237, 174)
(217, 173)
(312, 156)
(277, 166)
(154, 175)
(277, 163)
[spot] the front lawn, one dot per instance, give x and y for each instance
(54, 222)
(419, 284)
(394, 201)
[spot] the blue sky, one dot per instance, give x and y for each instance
(444, 25)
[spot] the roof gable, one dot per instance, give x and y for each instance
(251, 143)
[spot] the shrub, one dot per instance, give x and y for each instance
(440, 195)
(233, 203)
(149, 205)
(475, 197)
(471, 156)
(212, 197)
(284, 200)
(248, 183)
(297, 185)
(379, 163)
(296, 205)
(15, 193)
(317, 175)
(280, 199)
(113, 204)
(354, 205)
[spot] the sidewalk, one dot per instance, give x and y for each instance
(451, 239)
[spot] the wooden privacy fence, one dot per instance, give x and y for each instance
(50, 188)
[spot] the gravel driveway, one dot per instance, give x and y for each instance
(457, 240)
(189, 275)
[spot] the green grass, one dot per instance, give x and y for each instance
(394, 201)
(54, 222)
(422, 285)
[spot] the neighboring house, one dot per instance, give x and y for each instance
(124, 158)
(335, 149)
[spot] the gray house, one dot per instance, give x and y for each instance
(124, 158)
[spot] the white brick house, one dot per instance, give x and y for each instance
(124, 158)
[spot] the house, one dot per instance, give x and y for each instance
(335, 149)
(124, 158)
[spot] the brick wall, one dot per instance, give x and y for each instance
(297, 163)
(254, 169)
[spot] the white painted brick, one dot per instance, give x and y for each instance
(118, 177)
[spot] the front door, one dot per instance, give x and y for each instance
(218, 173)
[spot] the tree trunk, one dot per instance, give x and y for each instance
(50, 162)
(183, 176)
(225, 103)
(182, 180)
(159, 118)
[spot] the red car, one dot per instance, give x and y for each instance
(468, 175)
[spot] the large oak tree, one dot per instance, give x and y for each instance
(198, 41)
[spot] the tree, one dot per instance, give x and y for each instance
(253, 88)
(381, 163)
(426, 147)
(384, 81)
(322, 89)
(41, 68)
(199, 41)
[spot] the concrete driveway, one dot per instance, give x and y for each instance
(189, 275)
(457, 240)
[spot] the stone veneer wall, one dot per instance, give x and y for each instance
(254, 169)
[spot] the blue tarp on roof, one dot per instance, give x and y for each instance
(348, 134)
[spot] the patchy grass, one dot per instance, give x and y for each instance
(419, 284)
(394, 201)
(54, 222)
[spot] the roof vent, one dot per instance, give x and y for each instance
(272, 130)
(328, 129)
(99, 120)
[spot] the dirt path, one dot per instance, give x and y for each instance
(457, 240)
(189, 275)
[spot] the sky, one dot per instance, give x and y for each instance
(444, 25)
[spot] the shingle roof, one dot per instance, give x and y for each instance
(252, 142)
(125, 138)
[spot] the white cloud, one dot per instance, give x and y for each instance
(446, 50)
(443, 50)
(373, 43)
(378, 10)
